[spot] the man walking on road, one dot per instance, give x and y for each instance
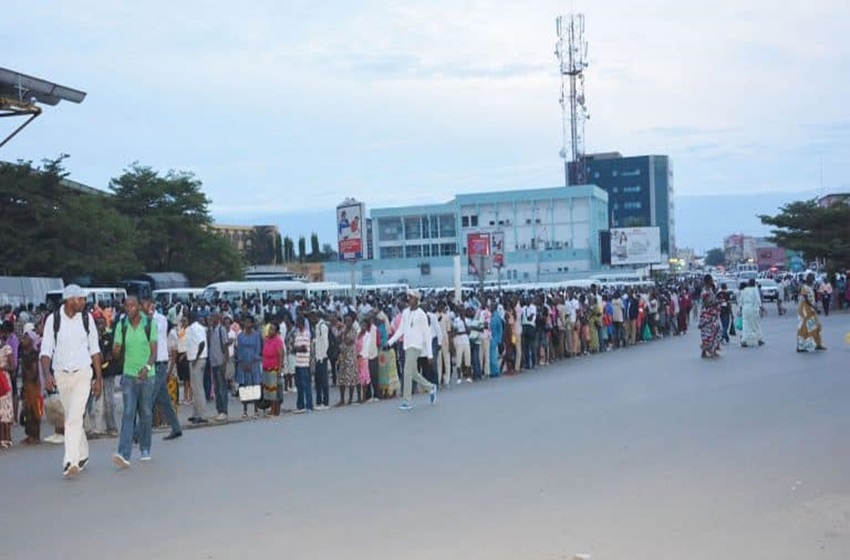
(416, 331)
(219, 346)
(70, 345)
(136, 340)
(196, 353)
(160, 384)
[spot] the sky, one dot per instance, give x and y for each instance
(284, 108)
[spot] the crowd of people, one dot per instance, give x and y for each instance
(376, 347)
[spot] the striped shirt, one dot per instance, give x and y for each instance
(302, 339)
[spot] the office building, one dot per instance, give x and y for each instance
(548, 234)
(640, 192)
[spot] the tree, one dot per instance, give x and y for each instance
(173, 225)
(819, 233)
(261, 246)
(278, 245)
(315, 252)
(715, 257)
(302, 249)
(51, 229)
(288, 250)
(328, 253)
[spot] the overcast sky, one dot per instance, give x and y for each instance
(283, 108)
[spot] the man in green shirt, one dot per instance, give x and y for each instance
(135, 341)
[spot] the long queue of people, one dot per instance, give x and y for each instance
(374, 348)
(214, 351)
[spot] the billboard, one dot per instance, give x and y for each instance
(350, 227)
(497, 248)
(639, 245)
(477, 252)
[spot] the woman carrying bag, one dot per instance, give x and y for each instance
(249, 375)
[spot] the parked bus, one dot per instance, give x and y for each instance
(102, 297)
(234, 292)
(167, 298)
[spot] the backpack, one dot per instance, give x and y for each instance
(57, 320)
(125, 323)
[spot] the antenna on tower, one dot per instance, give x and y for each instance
(571, 50)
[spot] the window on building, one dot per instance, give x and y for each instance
(413, 251)
(633, 189)
(448, 249)
(389, 229)
(426, 228)
(448, 226)
(473, 221)
(435, 227)
(413, 227)
(464, 221)
(634, 205)
(426, 250)
(391, 252)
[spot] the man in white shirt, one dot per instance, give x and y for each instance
(196, 353)
(321, 345)
(417, 342)
(444, 369)
(71, 351)
(160, 386)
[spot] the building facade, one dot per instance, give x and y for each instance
(548, 234)
(245, 238)
(640, 192)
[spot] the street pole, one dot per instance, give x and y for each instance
(353, 281)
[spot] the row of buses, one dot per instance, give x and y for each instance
(266, 290)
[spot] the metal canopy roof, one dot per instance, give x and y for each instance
(26, 88)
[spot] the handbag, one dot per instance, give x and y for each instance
(250, 393)
(739, 323)
(5, 384)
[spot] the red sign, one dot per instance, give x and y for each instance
(477, 246)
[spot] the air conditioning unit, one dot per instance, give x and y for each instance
(492, 223)
(537, 220)
(501, 222)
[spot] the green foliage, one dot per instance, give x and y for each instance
(302, 249)
(715, 257)
(153, 223)
(819, 233)
(315, 252)
(288, 250)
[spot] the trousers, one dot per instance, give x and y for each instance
(74, 389)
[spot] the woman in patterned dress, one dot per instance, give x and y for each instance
(709, 319)
(809, 328)
(347, 366)
(7, 411)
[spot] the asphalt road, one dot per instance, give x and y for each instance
(650, 453)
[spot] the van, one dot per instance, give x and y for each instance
(102, 297)
(235, 292)
(167, 298)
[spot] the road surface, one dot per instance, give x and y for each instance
(649, 453)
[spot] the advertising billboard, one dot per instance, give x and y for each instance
(497, 248)
(477, 252)
(639, 245)
(351, 225)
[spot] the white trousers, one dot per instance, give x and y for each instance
(463, 355)
(444, 364)
(484, 358)
(74, 389)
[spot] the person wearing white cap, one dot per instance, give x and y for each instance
(416, 331)
(72, 350)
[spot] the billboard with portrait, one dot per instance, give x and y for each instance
(497, 248)
(351, 226)
(638, 245)
(477, 252)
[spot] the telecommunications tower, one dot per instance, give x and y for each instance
(571, 50)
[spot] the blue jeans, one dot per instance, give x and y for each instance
(138, 398)
(322, 389)
(221, 387)
(161, 396)
(305, 389)
(475, 353)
